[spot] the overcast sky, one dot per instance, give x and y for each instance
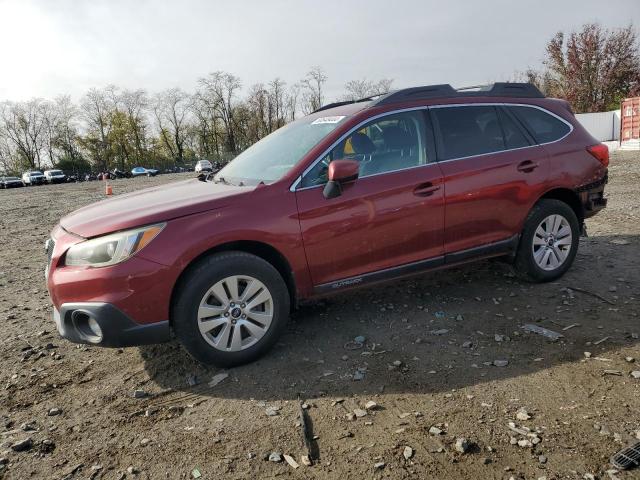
(53, 47)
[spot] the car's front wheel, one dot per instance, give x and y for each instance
(549, 241)
(230, 309)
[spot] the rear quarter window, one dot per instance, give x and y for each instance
(543, 126)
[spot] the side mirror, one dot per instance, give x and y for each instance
(340, 172)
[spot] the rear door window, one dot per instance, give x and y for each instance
(543, 126)
(513, 135)
(467, 131)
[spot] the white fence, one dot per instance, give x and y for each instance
(605, 126)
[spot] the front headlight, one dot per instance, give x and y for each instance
(113, 248)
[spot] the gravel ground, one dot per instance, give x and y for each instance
(445, 358)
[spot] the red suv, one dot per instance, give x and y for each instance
(353, 194)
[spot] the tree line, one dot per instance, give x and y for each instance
(120, 128)
(111, 127)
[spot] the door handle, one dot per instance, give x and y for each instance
(425, 189)
(527, 166)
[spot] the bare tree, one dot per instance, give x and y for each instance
(257, 118)
(24, 128)
(66, 132)
(207, 132)
(219, 90)
(313, 89)
(50, 121)
(277, 104)
(358, 89)
(135, 104)
(8, 162)
(171, 109)
(292, 101)
(96, 111)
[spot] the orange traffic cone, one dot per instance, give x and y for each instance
(108, 189)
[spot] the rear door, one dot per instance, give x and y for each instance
(392, 215)
(492, 170)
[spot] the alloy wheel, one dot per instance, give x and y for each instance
(235, 313)
(552, 242)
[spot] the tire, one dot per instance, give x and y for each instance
(553, 253)
(222, 346)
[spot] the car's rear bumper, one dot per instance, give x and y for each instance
(103, 324)
(592, 196)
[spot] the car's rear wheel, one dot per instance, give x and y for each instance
(549, 241)
(230, 309)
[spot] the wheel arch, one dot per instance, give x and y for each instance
(569, 197)
(259, 249)
(563, 194)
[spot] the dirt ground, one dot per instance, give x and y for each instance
(427, 362)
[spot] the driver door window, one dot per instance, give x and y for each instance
(391, 143)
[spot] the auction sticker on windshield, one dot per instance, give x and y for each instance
(322, 120)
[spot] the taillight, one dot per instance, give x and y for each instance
(601, 152)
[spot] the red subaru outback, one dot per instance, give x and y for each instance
(353, 194)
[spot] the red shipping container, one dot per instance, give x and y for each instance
(630, 121)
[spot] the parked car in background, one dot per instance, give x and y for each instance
(55, 176)
(355, 193)
(140, 171)
(33, 177)
(203, 166)
(10, 182)
(117, 173)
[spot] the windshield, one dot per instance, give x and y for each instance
(55, 172)
(273, 156)
(10, 178)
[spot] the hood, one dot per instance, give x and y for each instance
(151, 205)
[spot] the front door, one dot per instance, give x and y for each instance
(392, 215)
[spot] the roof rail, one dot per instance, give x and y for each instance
(348, 102)
(498, 89)
(334, 104)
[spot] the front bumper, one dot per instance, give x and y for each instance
(129, 302)
(103, 324)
